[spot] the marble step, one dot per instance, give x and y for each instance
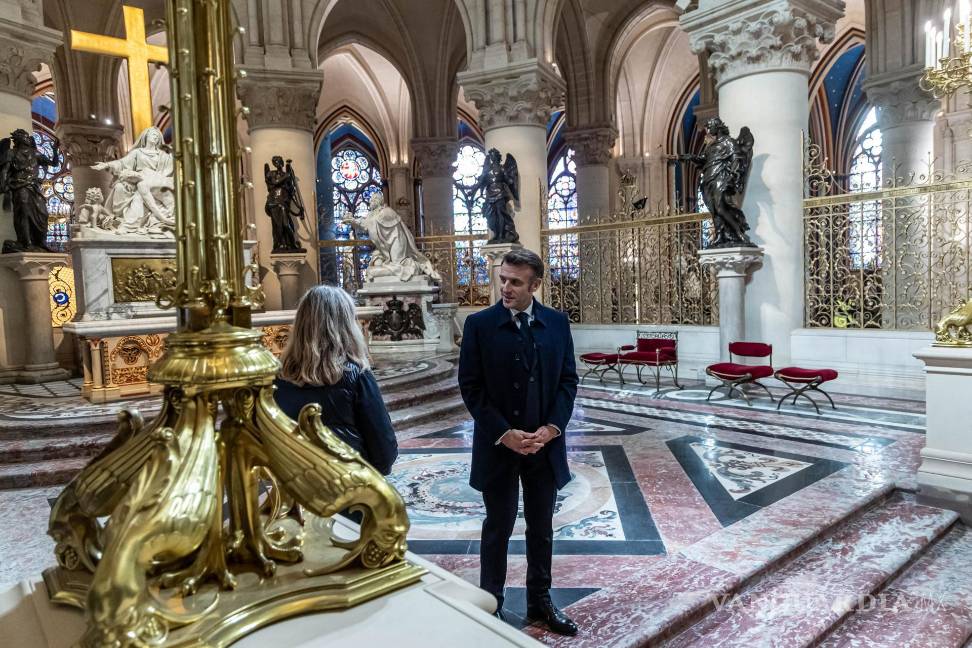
(928, 606)
(800, 602)
(51, 472)
(679, 589)
(52, 447)
(441, 368)
(446, 388)
(426, 412)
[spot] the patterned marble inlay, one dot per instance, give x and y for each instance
(384, 371)
(26, 408)
(741, 472)
(747, 424)
(441, 504)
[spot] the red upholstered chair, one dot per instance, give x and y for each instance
(598, 363)
(733, 375)
(801, 380)
(652, 350)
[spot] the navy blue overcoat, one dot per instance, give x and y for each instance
(492, 381)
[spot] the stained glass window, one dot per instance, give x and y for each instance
(356, 179)
(57, 185)
(564, 257)
(864, 218)
(467, 217)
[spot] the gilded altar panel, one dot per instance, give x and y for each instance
(275, 338)
(128, 358)
(140, 279)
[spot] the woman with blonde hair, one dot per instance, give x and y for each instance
(326, 362)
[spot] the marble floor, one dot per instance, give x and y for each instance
(677, 502)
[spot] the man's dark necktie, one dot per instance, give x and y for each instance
(530, 346)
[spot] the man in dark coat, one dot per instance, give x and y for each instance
(518, 380)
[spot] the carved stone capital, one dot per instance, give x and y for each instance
(435, 156)
(899, 99)
(87, 143)
(522, 94)
(22, 51)
(754, 36)
(287, 264)
(593, 145)
(732, 262)
(280, 99)
(33, 266)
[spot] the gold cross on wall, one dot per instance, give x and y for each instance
(139, 54)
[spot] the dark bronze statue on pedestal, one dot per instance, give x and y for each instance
(500, 184)
(20, 163)
(283, 203)
(725, 163)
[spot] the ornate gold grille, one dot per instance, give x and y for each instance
(896, 257)
(635, 270)
(459, 258)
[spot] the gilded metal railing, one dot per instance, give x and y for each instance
(459, 258)
(634, 270)
(895, 255)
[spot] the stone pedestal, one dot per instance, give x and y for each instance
(33, 269)
(445, 316)
(733, 266)
(495, 253)
(287, 266)
(118, 277)
(945, 475)
(394, 330)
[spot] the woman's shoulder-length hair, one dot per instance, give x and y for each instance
(324, 338)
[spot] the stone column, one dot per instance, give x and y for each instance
(399, 195)
(282, 106)
(732, 267)
(593, 148)
(514, 104)
(287, 267)
(760, 53)
(24, 45)
(33, 270)
(86, 144)
(906, 116)
(436, 158)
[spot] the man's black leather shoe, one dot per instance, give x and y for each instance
(546, 612)
(499, 614)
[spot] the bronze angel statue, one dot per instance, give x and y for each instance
(725, 163)
(283, 203)
(500, 184)
(20, 163)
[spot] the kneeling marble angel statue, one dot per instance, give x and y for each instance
(396, 254)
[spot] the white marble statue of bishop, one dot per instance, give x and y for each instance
(141, 197)
(396, 254)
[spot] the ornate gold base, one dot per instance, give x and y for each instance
(257, 602)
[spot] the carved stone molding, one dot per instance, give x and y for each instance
(899, 100)
(87, 143)
(593, 145)
(756, 36)
(732, 262)
(435, 156)
(33, 266)
(524, 94)
(22, 51)
(280, 99)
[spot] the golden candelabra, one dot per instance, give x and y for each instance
(205, 539)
